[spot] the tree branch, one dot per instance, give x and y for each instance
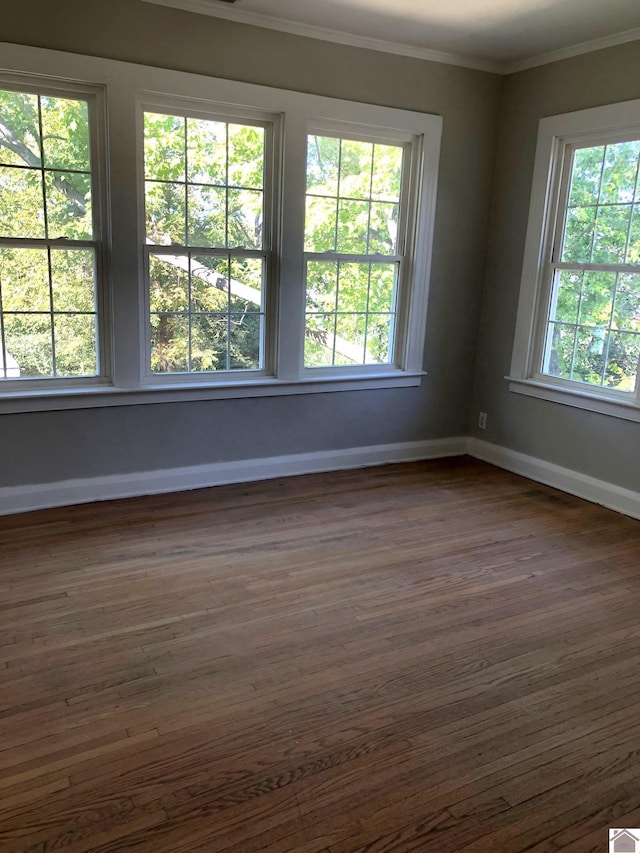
(9, 140)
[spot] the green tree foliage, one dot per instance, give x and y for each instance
(595, 317)
(48, 294)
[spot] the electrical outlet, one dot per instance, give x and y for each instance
(482, 420)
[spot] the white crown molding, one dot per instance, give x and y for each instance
(210, 7)
(573, 50)
(14, 499)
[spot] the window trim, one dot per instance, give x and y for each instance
(125, 84)
(556, 136)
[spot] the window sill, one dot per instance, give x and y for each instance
(577, 398)
(98, 396)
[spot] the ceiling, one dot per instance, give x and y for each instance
(500, 35)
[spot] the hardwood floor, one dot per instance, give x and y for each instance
(427, 657)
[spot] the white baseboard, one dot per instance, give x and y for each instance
(573, 482)
(14, 499)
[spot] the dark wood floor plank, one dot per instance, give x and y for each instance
(427, 657)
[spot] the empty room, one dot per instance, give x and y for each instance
(319, 426)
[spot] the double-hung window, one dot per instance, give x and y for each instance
(578, 335)
(208, 229)
(51, 294)
(354, 238)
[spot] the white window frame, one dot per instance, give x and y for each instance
(94, 97)
(557, 138)
(127, 88)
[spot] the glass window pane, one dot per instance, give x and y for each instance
(73, 280)
(589, 357)
(612, 227)
(558, 357)
(387, 173)
(75, 340)
(169, 283)
(28, 341)
(246, 156)
(19, 112)
(578, 234)
(21, 203)
(207, 151)
(626, 314)
(209, 335)
(620, 173)
(353, 226)
(245, 219)
(69, 205)
(633, 249)
(622, 363)
(321, 285)
(209, 284)
(382, 288)
(323, 157)
(319, 338)
(586, 175)
(165, 213)
(207, 211)
(245, 341)
(353, 287)
(597, 298)
(379, 338)
(356, 162)
(565, 300)
(169, 343)
(24, 280)
(320, 228)
(164, 147)
(383, 231)
(65, 133)
(10, 369)
(349, 343)
(245, 285)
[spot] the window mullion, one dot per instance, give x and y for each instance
(291, 296)
(350, 258)
(128, 268)
(578, 267)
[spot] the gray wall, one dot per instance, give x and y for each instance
(52, 446)
(597, 445)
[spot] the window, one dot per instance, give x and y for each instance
(168, 236)
(579, 321)
(205, 198)
(353, 240)
(49, 236)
